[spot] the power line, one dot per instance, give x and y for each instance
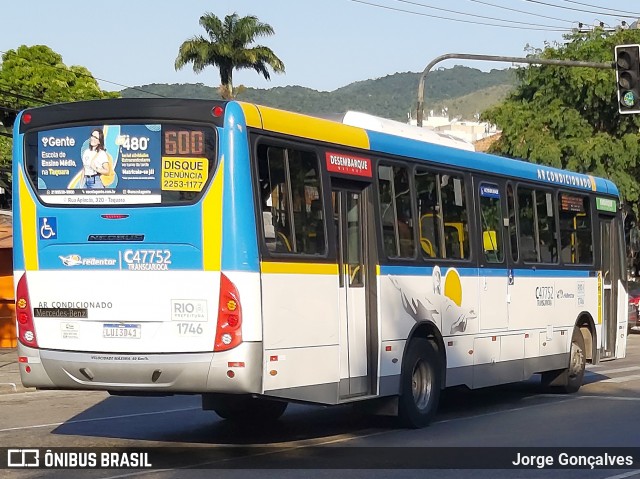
(22, 90)
(68, 70)
(522, 11)
(458, 19)
(23, 97)
(579, 9)
(475, 15)
(601, 8)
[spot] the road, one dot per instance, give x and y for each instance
(605, 413)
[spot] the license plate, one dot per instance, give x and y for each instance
(127, 331)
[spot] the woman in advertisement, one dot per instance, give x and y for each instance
(95, 160)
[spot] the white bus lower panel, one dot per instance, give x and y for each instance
(503, 372)
(138, 372)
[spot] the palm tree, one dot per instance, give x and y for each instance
(228, 48)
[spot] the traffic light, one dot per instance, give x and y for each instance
(628, 77)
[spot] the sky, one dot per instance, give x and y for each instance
(324, 44)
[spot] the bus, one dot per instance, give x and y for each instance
(259, 257)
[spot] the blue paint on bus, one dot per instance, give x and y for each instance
(239, 243)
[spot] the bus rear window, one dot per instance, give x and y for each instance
(121, 164)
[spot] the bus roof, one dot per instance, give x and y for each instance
(384, 141)
(392, 127)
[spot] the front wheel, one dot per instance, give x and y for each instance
(420, 384)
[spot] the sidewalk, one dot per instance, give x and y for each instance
(9, 373)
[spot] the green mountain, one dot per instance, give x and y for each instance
(463, 91)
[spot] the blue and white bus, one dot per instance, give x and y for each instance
(258, 257)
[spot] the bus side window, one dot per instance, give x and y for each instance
(274, 199)
(575, 229)
(395, 207)
(290, 200)
(526, 221)
(429, 213)
(546, 227)
(454, 212)
(513, 226)
(491, 219)
(306, 202)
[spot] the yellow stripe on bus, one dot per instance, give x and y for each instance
(599, 297)
(28, 226)
(298, 268)
(212, 222)
(251, 114)
(313, 128)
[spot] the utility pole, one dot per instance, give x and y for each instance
(494, 58)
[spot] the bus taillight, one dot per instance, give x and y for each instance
(229, 329)
(26, 328)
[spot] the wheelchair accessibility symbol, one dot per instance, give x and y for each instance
(48, 227)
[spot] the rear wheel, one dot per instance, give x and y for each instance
(570, 379)
(420, 384)
(240, 408)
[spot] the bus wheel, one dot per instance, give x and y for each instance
(420, 384)
(570, 379)
(245, 408)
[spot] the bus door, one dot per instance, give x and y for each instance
(356, 282)
(610, 262)
(493, 272)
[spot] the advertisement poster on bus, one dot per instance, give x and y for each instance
(100, 164)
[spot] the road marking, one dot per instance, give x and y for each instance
(623, 379)
(613, 371)
(493, 413)
(80, 421)
(611, 398)
(625, 474)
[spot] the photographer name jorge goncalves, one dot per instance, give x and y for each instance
(572, 460)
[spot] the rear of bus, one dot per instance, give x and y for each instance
(121, 211)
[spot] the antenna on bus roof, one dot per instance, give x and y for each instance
(392, 127)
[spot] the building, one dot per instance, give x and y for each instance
(7, 307)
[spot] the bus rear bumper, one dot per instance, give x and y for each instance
(235, 371)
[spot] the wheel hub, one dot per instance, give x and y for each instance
(421, 384)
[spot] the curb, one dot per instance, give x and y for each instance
(11, 386)
(10, 382)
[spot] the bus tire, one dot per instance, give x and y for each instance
(420, 384)
(569, 380)
(246, 408)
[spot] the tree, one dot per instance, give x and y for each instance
(228, 48)
(34, 76)
(568, 117)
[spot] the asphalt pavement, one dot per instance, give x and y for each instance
(9, 372)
